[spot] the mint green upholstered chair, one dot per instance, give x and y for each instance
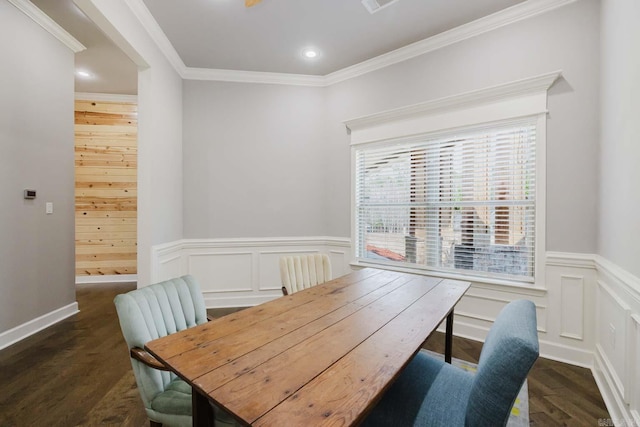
(430, 392)
(153, 312)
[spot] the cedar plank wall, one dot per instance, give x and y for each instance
(106, 158)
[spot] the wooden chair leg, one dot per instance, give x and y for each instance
(154, 424)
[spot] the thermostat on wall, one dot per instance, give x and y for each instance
(29, 194)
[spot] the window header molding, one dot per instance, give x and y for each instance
(519, 98)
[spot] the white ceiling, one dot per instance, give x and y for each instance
(269, 37)
(112, 71)
(224, 34)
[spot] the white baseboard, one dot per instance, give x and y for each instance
(116, 278)
(566, 354)
(29, 328)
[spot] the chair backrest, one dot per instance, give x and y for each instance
(507, 355)
(153, 312)
(303, 271)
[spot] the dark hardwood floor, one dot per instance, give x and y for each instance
(77, 372)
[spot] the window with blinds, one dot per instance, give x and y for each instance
(461, 202)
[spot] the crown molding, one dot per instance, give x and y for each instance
(519, 12)
(42, 19)
(149, 23)
(521, 87)
(105, 97)
(141, 12)
(252, 77)
(486, 24)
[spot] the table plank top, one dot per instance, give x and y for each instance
(320, 356)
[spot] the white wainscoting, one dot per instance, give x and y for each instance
(480, 306)
(617, 350)
(564, 306)
(571, 281)
(241, 272)
(611, 345)
(572, 312)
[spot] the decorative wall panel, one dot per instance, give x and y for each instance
(106, 158)
(572, 312)
(222, 271)
(612, 335)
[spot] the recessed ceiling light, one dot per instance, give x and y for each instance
(374, 6)
(83, 73)
(309, 53)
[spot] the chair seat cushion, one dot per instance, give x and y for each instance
(175, 400)
(423, 395)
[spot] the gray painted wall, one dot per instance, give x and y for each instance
(254, 160)
(36, 152)
(160, 188)
(230, 129)
(565, 39)
(620, 143)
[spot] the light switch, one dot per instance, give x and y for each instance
(49, 208)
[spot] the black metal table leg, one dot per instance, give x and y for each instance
(202, 410)
(448, 338)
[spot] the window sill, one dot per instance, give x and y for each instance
(476, 281)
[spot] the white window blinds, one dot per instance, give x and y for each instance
(463, 201)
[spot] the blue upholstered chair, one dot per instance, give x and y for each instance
(430, 392)
(153, 312)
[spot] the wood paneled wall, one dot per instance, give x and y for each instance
(106, 158)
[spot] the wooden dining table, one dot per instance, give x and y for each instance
(322, 356)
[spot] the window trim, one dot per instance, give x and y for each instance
(522, 98)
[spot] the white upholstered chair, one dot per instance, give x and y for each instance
(303, 271)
